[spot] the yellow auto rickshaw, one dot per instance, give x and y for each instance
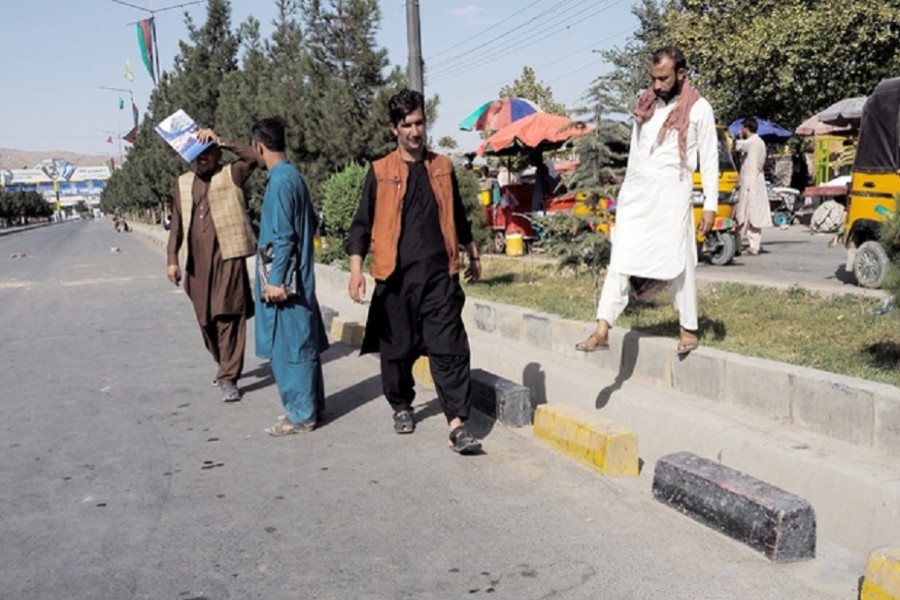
(722, 243)
(874, 185)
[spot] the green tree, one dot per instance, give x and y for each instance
(447, 143)
(469, 191)
(782, 60)
(344, 112)
(528, 87)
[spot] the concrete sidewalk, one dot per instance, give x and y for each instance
(831, 439)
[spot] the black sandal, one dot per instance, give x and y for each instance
(403, 422)
(462, 442)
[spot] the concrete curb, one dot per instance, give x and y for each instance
(882, 579)
(846, 408)
(601, 444)
(770, 520)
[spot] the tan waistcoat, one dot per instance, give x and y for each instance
(227, 209)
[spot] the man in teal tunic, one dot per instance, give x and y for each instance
(289, 328)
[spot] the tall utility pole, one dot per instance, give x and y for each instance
(414, 41)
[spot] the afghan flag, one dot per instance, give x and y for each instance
(131, 136)
(145, 42)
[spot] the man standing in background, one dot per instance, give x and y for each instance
(752, 211)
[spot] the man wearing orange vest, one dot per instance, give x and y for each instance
(411, 218)
(211, 231)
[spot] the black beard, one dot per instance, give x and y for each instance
(667, 96)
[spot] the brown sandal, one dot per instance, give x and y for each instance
(685, 347)
(593, 343)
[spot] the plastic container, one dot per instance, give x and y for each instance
(515, 244)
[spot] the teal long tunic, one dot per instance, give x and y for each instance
(292, 330)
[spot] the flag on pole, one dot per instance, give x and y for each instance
(121, 103)
(131, 136)
(109, 139)
(129, 75)
(145, 42)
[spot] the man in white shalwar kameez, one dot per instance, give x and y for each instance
(752, 211)
(654, 234)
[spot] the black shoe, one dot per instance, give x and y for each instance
(403, 422)
(462, 442)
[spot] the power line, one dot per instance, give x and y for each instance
(483, 31)
(453, 59)
(564, 75)
(459, 69)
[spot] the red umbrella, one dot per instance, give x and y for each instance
(540, 131)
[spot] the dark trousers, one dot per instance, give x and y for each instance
(225, 338)
(451, 380)
(424, 319)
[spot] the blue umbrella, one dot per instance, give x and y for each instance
(768, 130)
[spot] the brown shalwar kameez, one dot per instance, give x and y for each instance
(219, 289)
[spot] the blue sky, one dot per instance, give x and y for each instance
(57, 54)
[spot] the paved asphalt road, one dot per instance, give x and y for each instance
(125, 477)
(792, 256)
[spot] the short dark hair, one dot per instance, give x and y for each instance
(670, 52)
(403, 103)
(270, 133)
(751, 123)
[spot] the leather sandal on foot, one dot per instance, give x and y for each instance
(285, 427)
(403, 422)
(686, 347)
(463, 442)
(593, 343)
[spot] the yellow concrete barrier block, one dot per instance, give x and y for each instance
(348, 332)
(882, 580)
(604, 445)
(422, 372)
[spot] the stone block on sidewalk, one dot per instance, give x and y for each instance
(328, 316)
(882, 579)
(507, 401)
(603, 445)
(422, 372)
(770, 520)
(348, 332)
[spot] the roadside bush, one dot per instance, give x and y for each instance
(469, 191)
(340, 198)
(574, 240)
(889, 236)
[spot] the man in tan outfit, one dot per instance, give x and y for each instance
(752, 211)
(212, 233)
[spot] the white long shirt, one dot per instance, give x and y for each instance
(654, 230)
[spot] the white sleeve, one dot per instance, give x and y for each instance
(708, 149)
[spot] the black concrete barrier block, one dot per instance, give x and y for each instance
(770, 520)
(328, 315)
(507, 401)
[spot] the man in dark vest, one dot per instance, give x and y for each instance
(211, 231)
(411, 218)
